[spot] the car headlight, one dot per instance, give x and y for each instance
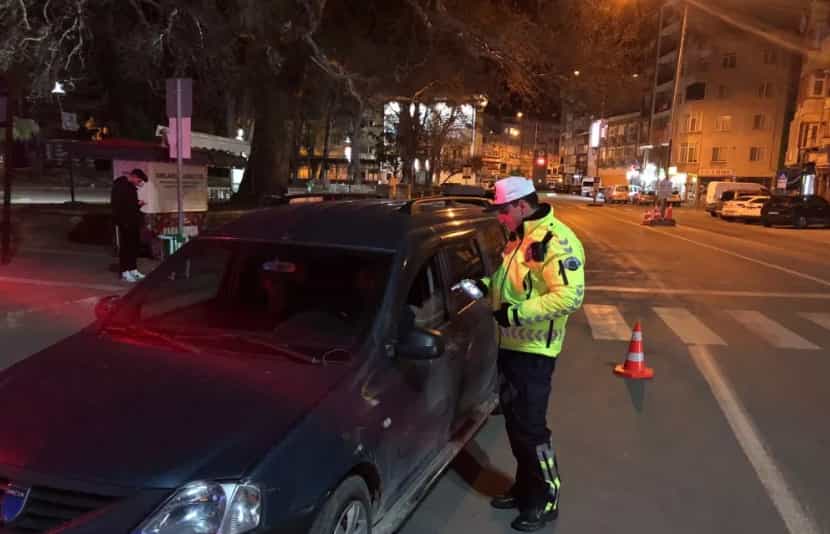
(207, 508)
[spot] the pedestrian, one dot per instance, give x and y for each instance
(539, 284)
(664, 191)
(126, 213)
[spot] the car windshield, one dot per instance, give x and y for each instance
(259, 297)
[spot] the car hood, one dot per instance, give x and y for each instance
(92, 408)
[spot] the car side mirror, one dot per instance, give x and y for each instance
(421, 344)
(106, 306)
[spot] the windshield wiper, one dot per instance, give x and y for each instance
(149, 332)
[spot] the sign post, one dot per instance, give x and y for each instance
(180, 105)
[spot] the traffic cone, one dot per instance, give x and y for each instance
(635, 362)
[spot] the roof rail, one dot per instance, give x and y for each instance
(413, 206)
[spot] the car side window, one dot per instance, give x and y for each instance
(463, 261)
(426, 297)
(189, 282)
(492, 241)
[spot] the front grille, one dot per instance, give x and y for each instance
(49, 508)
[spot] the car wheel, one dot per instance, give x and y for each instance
(765, 222)
(713, 214)
(800, 221)
(347, 511)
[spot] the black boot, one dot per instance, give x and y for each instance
(534, 519)
(504, 502)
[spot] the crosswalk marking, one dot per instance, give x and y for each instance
(688, 328)
(821, 319)
(606, 322)
(774, 333)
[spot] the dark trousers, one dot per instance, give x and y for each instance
(128, 247)
(525, 384)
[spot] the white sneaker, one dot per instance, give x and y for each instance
(129, 277)
(137, 275)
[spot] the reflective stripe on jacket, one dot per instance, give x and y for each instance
(542, 291)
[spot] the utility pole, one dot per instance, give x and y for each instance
(677, 73)
(7, 122)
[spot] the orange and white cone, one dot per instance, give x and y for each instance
(635, 362)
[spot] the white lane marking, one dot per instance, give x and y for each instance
(688, 327)
(821, 319)
(54, 283)
(606, 322)
(707, 292)
(787, 270)
(794, 515)
(774, 333)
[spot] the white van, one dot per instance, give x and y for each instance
(715, 191)
(588, 186)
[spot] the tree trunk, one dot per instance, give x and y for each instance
(408, 140)
(355, 167)
(268, 167)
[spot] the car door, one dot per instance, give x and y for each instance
(412, 399)
(469, 335)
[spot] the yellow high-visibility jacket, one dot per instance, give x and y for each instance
(542, 278)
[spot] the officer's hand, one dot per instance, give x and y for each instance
(482, 287)
(501, 315)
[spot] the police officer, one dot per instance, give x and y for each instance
(539, 284)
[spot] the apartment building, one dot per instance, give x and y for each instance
(728, 117)
(809, 137)
(574, 148)
(619, 147)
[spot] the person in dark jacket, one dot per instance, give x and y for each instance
(126, 213)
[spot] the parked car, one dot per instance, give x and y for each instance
(617, 194)
(675, 199)
(800, 211)
(719, 192)
(587, 187)
(646, 197)
(302, 367)
(745, 208)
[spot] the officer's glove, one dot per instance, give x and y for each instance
(505, 314)
(482, 287)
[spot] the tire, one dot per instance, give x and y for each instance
(766, 222)
(713, 214)
(800, 221)
(350, 500)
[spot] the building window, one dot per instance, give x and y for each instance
(723, 123)
(719, 154)
(808, 134)
(696, 91)
(765, 90)
(770, 56)
(756, 153)
(688, 153)
(818, 85)
(693, 122)
(730, 61)
(723, 92)
(759, 121)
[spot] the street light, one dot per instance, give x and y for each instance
(577, 73)
(519, 115)
(58, 89)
